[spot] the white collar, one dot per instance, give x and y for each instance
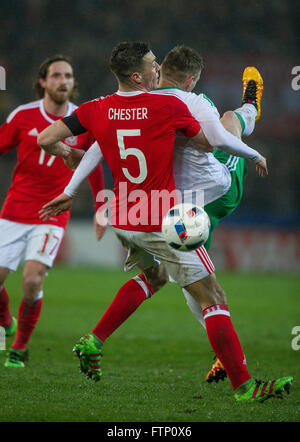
(130, 94)
(46, 116)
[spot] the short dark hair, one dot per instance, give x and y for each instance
(43, 71)
(181, 62)
(127, 57)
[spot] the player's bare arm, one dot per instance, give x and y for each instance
(50, 139)
(201, 141)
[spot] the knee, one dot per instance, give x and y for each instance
(159, 281)
(3, 275)
(157, 278)
(231, 123)
(32, 284)
(228, 116)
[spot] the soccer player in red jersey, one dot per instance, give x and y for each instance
(136, 133)
(36, 178)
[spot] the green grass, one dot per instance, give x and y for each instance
(154, 365)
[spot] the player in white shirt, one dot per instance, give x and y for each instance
(213, 180)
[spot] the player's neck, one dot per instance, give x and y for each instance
(164, 82)
(132, 87)
(58, 109)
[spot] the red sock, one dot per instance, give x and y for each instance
(225, 343)
(29, 313)
(5, 316)
(126, 301)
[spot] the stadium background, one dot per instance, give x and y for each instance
(263, 234)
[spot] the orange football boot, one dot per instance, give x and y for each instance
(216, 372)
(253, 86)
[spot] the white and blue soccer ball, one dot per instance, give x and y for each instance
(186, 227)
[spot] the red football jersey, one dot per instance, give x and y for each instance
(38, 177)
(136, 133)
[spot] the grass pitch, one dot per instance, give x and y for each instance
(154, 365)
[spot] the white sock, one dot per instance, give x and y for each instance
(194, 307)
(248, 113)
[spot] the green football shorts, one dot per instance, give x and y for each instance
(225, 205)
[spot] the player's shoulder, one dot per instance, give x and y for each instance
(28, 107)
(205, 99)
(169, 94)
(202, 105)
(90, 103)
(176, 93)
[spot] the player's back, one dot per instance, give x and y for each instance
(136, 132)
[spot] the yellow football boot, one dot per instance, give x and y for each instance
(253, 86)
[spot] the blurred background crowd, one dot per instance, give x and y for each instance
(229, 34)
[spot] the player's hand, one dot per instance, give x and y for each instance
(58, 149)
(262, 168)
(99, 228)
(74, 158)
(55, 207)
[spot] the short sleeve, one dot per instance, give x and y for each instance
(9, 134)
(86, 113)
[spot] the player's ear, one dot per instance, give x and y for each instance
(189, 81)
(136, 77)
(42, 82)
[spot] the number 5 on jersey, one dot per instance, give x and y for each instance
(125, 152)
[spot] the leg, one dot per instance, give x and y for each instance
(5, 316)
(31, 304)
(129, 297)
(226, 345)
(224, 341)
(33, 279)
(42, 244)
(12, 245)
(127, 300)
(207, 292)
(232, 123)
(4, 272)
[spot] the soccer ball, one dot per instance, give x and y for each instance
(186, 227)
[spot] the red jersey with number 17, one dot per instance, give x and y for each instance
(38, 177)
(136, 133)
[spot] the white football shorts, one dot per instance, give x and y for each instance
(37, 242)
(147, 249)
